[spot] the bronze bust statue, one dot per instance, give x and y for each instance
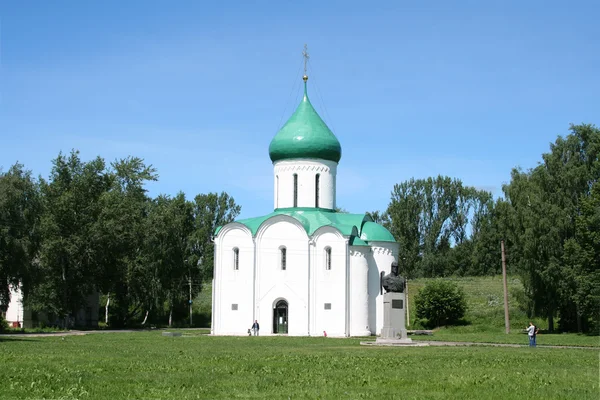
(391, 282)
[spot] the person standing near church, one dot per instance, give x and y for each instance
(255, 328)
(532, 330)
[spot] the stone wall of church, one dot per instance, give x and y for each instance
(306, 171)
(232, 291)
(275, 283)
(359, 293)
(383, 254)
(328, 283)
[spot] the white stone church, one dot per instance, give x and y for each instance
(304, 269)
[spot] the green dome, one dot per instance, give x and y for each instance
(305, 135)
(373, 232)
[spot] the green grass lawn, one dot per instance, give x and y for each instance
(149, 366)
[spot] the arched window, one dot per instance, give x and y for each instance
(277, 191)
(328, 258)
(236, 258)
(283, 255)
(295, 190)
(317, 178)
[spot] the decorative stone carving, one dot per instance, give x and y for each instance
(383, 250)
(357, 253)
(292, 168)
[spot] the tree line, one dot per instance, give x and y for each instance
(92, 227)
(549, 218)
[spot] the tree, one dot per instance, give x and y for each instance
(440, 303)
(430, 219)
(210, 211)
(546, 203)
(20, 212)
(167, 249)
(379, 218)
(70, 249)
(121, 229)
(580, 285)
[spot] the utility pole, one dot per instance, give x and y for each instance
(190, 283)
(407, 309)
(506, 319)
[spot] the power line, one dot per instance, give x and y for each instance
(296, 81)
(330, 121)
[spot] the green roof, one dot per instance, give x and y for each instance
(359, 227)
(372, 232)
(305, 135)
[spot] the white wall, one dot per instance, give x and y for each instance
(273, 283)
(329, 285)
(283, 183)
(305, 284)
(359, 294)
(384, 253)
(233, 286)
(14, 313)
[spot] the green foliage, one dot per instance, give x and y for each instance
(551, 220)
(70, 250)
(440, 302)
(3, 323)
(341, 210)
(485, 303)
(91, 227)
(147, 365)
(210, 211)
(122, 230)
(427, 217)
(20, 211)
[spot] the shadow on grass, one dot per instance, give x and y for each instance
(558, 333)
(16, 339)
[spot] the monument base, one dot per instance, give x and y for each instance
(393, 341)
(394, 326)
(393, 333)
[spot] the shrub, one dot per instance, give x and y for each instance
(441, 302)
(3, 323)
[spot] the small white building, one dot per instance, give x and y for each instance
(19, 315)
(303, 269)
(15, 312)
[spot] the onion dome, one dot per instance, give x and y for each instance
(305, 135)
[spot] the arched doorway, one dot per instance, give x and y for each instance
(280, 317)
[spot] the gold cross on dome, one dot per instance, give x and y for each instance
(306, 57)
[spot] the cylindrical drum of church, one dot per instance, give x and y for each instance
(359, 293)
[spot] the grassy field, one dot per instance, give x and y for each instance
(149, 366)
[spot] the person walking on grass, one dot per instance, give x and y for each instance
(255, 328)
(532, 331)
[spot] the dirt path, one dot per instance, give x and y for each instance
(68, 333)
(440, 343)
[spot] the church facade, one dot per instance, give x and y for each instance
(304, 269)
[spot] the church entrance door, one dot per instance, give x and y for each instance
(280, 317)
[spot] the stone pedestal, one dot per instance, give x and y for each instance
(394, 319)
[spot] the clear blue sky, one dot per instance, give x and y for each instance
(467, 89)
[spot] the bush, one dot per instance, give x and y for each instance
(3, 323)
(441, 302)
